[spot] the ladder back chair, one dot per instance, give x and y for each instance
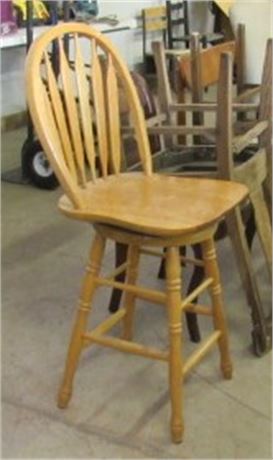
(178, 27)
(141, 209)
(231, 140)
(154, 23)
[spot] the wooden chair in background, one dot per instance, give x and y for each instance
(199, 70)
(141, 210)
(154, 24)
(178, 27)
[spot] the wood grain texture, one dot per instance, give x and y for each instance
(68, 108)
(208, 62)
(159, 205)
(114, 118)
(173, 285)
(86, 117)
(76, 342)
(138, 209)
(212, 271)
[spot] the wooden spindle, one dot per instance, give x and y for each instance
(99, 104)
(85, 108)
(72, 113)
(113, 116)
(59, 114)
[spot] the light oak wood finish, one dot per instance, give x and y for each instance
(136, 209)
(154, 21)
(230, 141)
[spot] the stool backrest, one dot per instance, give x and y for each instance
(75, 110)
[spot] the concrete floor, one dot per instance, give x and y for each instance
(120, 407)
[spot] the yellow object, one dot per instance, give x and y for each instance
(225, 5)
(39, 9)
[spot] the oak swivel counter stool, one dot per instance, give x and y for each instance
(140, 209)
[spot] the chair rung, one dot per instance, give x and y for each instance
(197, 355)
(185, 259)
(106, 325)
(127, 347)
(195, 293)
(243, 140)
(198, 309)
(120, 269)
(140, 292)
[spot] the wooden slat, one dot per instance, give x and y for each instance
(85, 108)
(263, 224)
(105, 326)
(99, 103)
(117, 271)
(127, 347)
(72, 113)
(253, 172)
(185, 259)
(177, 52)
(154, 12)
(113, 115)
(243, 140)
(195, 293)
(198, 309)
(140, 292)
(248, 94)
(212, 106)
(224, 118)
(202, 350)
(156, 25)
(240, 58)
(51, 123)
(209, 61)
(181, 130)
(51, 136)
(59, 114)
(240, 127)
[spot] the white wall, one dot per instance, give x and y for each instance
(125, 9)
(257, 15)
(129, 43)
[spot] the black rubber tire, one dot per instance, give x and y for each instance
(33, 162)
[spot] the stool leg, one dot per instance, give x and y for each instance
(196, 279)
(211, 269)
(120, 258)
(129, 297)
(80, 325)
(173, 270)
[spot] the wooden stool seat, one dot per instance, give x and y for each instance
(137, 209)
(136, 202)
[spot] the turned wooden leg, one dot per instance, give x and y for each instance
(173, 271)
(211, 270)
(80, 325)
(263, 225)
(196, 279)
(161, 273)
(250, 228)
(129, 297)
(120, 258)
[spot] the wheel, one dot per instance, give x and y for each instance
(36, 167)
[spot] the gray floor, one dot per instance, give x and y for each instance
(120, 407)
